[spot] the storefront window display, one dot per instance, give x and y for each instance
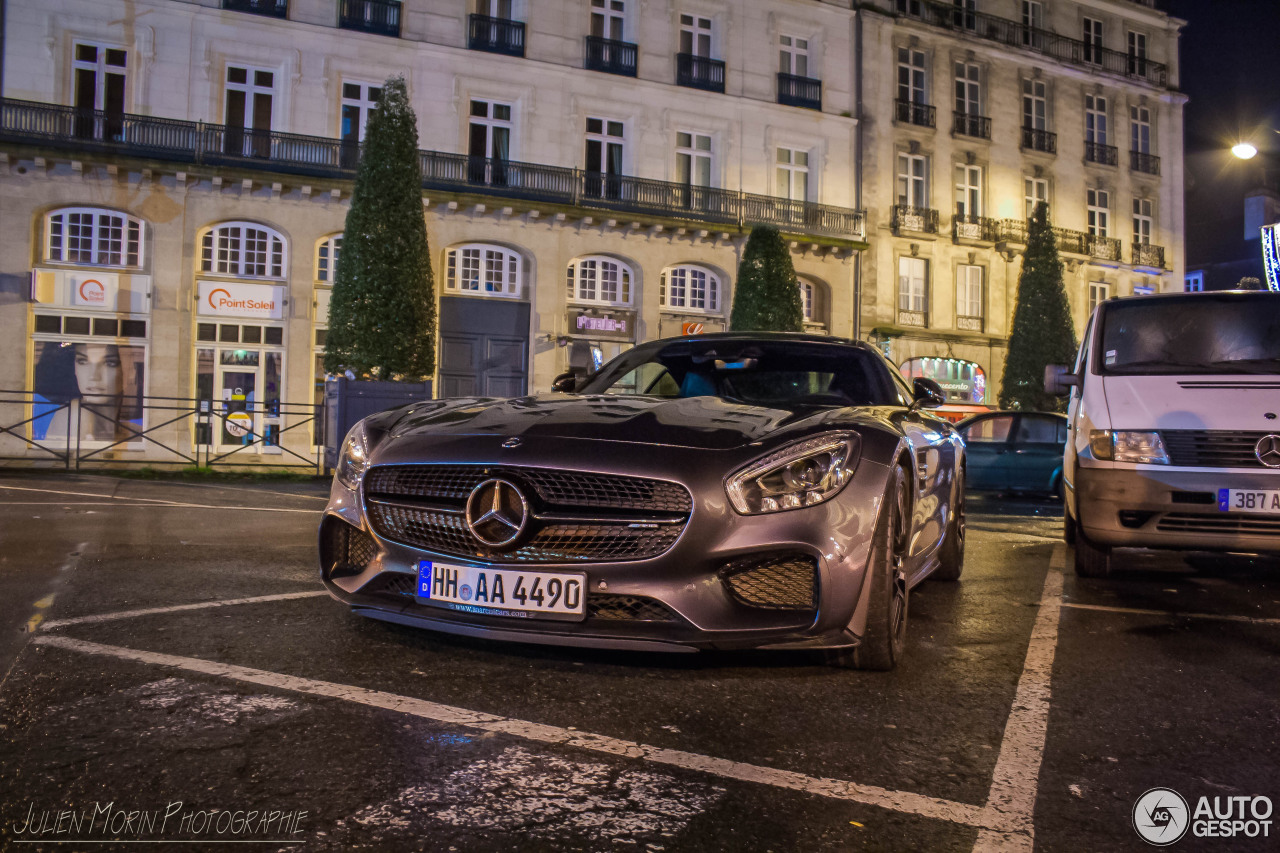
(963, 381)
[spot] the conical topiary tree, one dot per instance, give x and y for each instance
(382, 315)
(767, 297)
(1042, 329)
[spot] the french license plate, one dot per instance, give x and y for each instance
(1264, 501)
(503, 592)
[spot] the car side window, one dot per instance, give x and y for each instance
(1035, 430)
(989, 430)
(1062, 432)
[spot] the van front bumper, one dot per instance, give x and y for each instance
(1157, 507)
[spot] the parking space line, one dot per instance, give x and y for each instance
(1015, 781)
(158, 503)
(1177, 614)
(203, 605)
(899, 801)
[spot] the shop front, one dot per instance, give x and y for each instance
(964, 382)
(597, 335)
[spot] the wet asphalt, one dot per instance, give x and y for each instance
(301, 749)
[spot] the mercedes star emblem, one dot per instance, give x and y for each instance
(1268, 450)
(514, 441)
(497, 513)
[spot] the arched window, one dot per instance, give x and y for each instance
(91, 235)
(599, 279)
(483, 269)
(327, 258)
(690, 288)
(243, 249)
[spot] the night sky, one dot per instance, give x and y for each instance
(1230, 70)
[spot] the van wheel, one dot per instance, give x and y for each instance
(1092, 561)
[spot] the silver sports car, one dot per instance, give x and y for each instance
(713, 492)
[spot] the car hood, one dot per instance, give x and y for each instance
(697, 422)
(1214, 402)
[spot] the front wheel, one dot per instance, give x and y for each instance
(1092, 561)
(951, 554)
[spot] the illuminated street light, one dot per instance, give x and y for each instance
(1244, 151)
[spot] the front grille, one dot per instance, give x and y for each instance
(1201, 448)
(391, 583)
(1250, 525)
(630, 608)
(779, 582)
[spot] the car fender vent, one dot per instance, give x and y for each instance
(345, 550)
(628, 608)
(774, 582)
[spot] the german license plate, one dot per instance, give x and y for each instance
(1264, 501)
(503, 592)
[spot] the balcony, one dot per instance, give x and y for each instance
(795, 91)
(968, 124)
(1095, 152)
(915, 319)
(699, 72)
(974, 229)
(969, 324)
(495, 35)
(380, 17)
(1016, 35)
(1148, 164)
(1011, 231)
(1039, 140)
(610, 56)
(1146, 255)
(1090, 245)
(920, 220)
(270, 8)
(196, 143)
(910, 112)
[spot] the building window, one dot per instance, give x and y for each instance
(1142, 222)
(966, 14)
(1032, 23)
(1035, 104)
(608, 18)
(1137, 53)
(969, 291)
(1099, 211)
(605, 147)
(1036, 190)
(1095, 119)
(793, 174)
(968, 190)
(912, 290)
(489, 130)
(1194, 282)
(89, 379)
(1092, 40)
(1140, 130)
(358, 102)
(250, 96)
(690, 288)
(92, 236)
(695, 35)
(483, 269)
(327, 258)
(244, 250)
(912, 183)
(1099, 292)
(693, 159)
(98, 78)
(599, 280)
(968, 89)
(793, 56)
(813, 304)
(911, 76)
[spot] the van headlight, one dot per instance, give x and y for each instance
(799, 475)
(1123, 445)
(354, 458)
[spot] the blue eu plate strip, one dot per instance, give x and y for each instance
(1224, 500)
(424, 577)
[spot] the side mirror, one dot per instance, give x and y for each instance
(1058, 380)
(566, 383)
(927, 394)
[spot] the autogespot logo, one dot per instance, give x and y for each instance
(1160, 816)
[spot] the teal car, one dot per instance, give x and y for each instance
(1015, 451)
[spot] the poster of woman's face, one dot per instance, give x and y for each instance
(87, 389)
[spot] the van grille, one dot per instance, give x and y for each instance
(1202, 448)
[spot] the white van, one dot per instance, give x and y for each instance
(1174, 426)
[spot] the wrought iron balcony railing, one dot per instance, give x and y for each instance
(968, 124)
(966, 226)
(611, 56)
(1096, 152)
(1015, 34)
(1011, 231)
(381, 17)
(1142, 162)
(910, 112)
(1146, 255)
(699, 72)
(270, 8)
(905, 217)
(796, 91)
(1090, 245)
(495, 35)
(1039, 140)
(189, 142)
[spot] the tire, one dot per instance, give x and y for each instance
(1092, 561)
(951, 554)
(1068, 526)
(884, 641)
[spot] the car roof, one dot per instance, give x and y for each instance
(998, 412)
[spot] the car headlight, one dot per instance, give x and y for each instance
(1125, 445)
(354, 458)
(799, 475)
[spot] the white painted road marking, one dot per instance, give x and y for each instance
(157, 503)
(1008, 818)
(899, 801)
(1176, 614)
(204, 605)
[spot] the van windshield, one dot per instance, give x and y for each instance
(1212, 333)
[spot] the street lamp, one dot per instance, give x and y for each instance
(1244, 151)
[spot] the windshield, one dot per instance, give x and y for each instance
(1227, 333)
(759, 373)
